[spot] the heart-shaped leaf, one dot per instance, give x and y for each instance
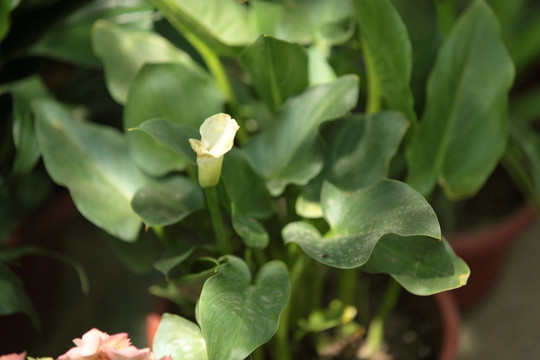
(222, 24)
(466, 104)
(358, 220)
(419, 264)
(167, 201)
(278, 69)
(124, 51)
(179, 338)
(93, 162)
(236, 315)
(387, 49)
(176, 93)
(288, 152)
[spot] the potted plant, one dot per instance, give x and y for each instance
(276, 184)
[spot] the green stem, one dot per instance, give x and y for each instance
(347, 285)
(217, 222)
(446, 15)
(283, 348)
(373, 82)
(375, 332)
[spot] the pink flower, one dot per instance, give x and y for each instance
(97, 345)
(14, 356)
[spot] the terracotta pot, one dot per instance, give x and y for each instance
(446, 307)
(485, 251)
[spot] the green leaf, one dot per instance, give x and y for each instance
(124, 51)
(23, 93)
(93, 162)
(251, 231)
(419, 264)
(69, 38)
(358, 152)
(167, 201)
(13, 297)
(237, 316)
(6, 6)
(278, 69)
(388, 48)
(305, 21)
(177, 93)
(464, 126)
(288, 152)
(222, 24)
(358, 220)
(528, 141)
(174, 136)
(179, 338)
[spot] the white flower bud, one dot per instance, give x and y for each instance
(217, 138)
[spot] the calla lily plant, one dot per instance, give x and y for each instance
(269, 226)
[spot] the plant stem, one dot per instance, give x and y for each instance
(283, 348)
(373, 83)
(375, 332)
(217, 222)
(347, 285)
(446, 15)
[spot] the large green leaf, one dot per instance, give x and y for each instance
(13, 297)
(93, 162)
(222, 24)
(179, 338)
(237, 316)
(124, 51)
(419, 264)
(288, 152)
(358, 220)
(167, 201)
(69, 39)
(304, 21)
(23, 93)
(177, 93)
(278, 69)
(464, 126)
(387, 47)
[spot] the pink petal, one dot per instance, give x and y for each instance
(14, 356)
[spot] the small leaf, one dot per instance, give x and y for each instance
(278, 69)
(386, 40)
(419, 264)
(167, 201)
(177, 93)
(288, 152)
(237, 316)
(93, 162)
(179, 338)
(251, 231)
(14, 298)
(360, 219)
(463, 130)
(124, 51)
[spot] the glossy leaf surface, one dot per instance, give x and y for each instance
(93, 162)
(419, 264)
(237, 314)
(124, 51)
(177, 93)
(463, 130)
(385, 38)
(167, 201)
(358, 220)
(179, 338)
(288, 152)
(278, 69)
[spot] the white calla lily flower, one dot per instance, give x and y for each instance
(217, 138)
